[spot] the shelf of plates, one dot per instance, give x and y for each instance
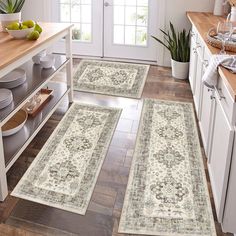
(37, 77)
(12, 146)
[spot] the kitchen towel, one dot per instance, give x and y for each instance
(211, 74)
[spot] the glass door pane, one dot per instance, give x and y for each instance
(130, 22)
(87, 18)
(128, 27)
(78, 12)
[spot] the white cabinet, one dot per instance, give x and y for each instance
(193, 62)
(198, 83)
(216, 113)
(229, 224)
(205, 123)
(205, 116)
(220, 157)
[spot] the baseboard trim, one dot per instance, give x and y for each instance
(117, 59)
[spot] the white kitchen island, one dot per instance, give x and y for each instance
(16, 53)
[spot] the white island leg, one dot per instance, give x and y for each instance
(69, 66)
(3, 175)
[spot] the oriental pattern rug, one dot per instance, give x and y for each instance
(111, 78)
(167, 190)
(64, 173)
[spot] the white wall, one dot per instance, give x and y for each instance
(173, 10)
(36, 10)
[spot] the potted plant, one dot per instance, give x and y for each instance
(179, 46)
(10, 11)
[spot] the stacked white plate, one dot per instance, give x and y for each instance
(13, 79)
(5, 98)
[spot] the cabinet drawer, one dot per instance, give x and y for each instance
(226, 100)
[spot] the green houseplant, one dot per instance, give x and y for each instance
(10, 11)
(178, 44)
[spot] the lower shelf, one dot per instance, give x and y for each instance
(15, 144)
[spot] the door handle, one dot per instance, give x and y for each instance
(107, 4)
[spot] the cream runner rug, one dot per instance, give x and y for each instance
(167, 190)
(64, 173)
(111, 78)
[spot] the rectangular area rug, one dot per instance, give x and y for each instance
(111, 78)
(167, 190)
(64, 173)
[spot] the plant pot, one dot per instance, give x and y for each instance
(7, 19)
(179, 69)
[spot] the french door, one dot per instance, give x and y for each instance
(128, 26)
(87, 17)
(111, 28)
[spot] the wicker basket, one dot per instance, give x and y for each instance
(229, 45)
(232, 2)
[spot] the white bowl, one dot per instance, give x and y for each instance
(47, 62)
(20, 34)
(15, 124)
(36, 58)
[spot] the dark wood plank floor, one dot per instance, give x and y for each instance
(19, 217)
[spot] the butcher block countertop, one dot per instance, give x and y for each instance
(203, 22)
(12, 49)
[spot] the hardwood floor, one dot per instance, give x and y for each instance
(19, 217)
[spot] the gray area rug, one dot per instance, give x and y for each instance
(167, 190)
(111, 78)
(65, 172)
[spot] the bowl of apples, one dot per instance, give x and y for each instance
(20, 30)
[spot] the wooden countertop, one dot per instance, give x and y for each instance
(12, 49)
(203, 22)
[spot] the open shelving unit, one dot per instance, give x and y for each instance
(18, 53)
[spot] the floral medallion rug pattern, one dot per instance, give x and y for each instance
(167, 190)
(64, 173)
(111, 78)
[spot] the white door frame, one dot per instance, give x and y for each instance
(161, 25)
(146, 53)
(161, 19)
(80, 47)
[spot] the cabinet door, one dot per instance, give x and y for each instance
(228, 224)
(198, 84)
(220, 156)
(193, 64)
(206, 117)
(206, 112)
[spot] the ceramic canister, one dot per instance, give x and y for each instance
(218, 8)
(232, 16)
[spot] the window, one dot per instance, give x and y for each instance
(78, 12)
(130, 22)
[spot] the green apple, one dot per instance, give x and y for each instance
(29, 23)
(38, 28)
(33, 35)
(13, 26)
(24, 27)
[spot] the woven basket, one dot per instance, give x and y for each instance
(229, 45)
(232, 2)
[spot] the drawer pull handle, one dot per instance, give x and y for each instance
(212, 97)
(206, 63)
(199, 45)
(221, 94)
